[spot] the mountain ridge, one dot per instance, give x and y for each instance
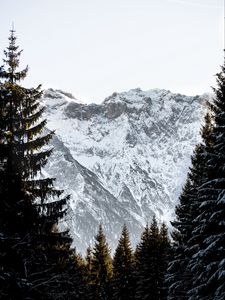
(128, 155)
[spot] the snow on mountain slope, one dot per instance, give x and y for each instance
(123, 160)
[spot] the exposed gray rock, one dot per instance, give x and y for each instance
(123, 160)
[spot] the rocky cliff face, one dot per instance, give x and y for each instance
(123, 160)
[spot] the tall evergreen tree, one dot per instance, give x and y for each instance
(207, 262)
(153, 261)
(164, 250)
(141, 263)
(152, 258)
(101, 268)
(88, 273)
(176, 277)
(78, 275)
(32, 250)
(123, 268)
(88, 264)
(179, 275)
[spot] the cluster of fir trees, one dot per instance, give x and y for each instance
(138, 274)
(197, 266)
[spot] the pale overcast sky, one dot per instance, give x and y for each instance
(93, 48)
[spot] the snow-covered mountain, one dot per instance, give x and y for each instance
(123, 160)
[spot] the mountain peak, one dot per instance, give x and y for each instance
(125, 157)
(56, 97)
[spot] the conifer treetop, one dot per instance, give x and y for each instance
(11, 60)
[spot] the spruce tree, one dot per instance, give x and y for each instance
(164, 250)
(78, 277)
(123, 268)
(101, 269)
(88, 273)
(32, 250)
(88, 262)
(141, 263)
(179, 275)
(176, 279)
(207, 261)
(152, 259)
